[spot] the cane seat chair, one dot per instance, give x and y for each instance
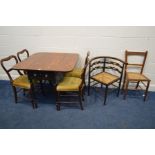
(136, 77)
(77, 72)
(106, 71)
(71, 87)
(21, 81)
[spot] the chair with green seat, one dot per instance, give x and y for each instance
(21, 81)
(71, 87)
(77, 72)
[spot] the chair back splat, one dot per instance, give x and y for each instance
(23, 52)
(136, 77)
(106, 71)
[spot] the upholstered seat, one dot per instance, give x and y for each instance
(69, 84)
(105, 78)
(136, 76)
(77, 72)
(22, 82)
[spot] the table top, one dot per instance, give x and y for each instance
(59, 62)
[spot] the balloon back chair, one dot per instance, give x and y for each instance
(21, 82)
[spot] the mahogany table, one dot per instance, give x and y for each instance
(52, 62)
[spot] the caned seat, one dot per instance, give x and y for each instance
(77, 72)
(71, 87)
(135, 77)
(105, 78)
(106, 71)
(21, 81)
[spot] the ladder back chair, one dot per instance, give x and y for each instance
(138, 76)
(20, 82)
(71, 87)
(106, 71)
(77, 72)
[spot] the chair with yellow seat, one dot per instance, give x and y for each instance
(20, 82)
(77, 72)
(106, 71)
(71, 87)
(135, 76)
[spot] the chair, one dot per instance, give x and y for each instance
(106, 71)
(21, 53)
(21, 81)
(77, 72)
(135, 77)
(71, 87)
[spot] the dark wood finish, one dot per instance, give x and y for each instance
(104, 64)
(128, 80)
(79, 93)
(58, 62)
(21, 53)
(8, 72)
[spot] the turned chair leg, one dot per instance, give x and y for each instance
(15, 93)
(80, 100)
(105, 95)
(126, 89)
(146, 91)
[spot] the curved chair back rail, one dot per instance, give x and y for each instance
(8, 70)
(21, 53)
(106, 63)
(107, 71)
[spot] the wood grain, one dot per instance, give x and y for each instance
(60, 62)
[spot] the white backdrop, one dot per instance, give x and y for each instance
(103, 40)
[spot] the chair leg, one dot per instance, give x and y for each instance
(119, 89)
(15, 93)
(146, 91)
(88, 87)
(137, 85)
(58, 101)
(80, 100)
(105, 95)
(126, 89)
(123, 84)
(24, 92)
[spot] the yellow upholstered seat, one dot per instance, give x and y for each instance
(105, 78)
(69, 84)
(22, 82)
(136, 76)
(76, 72)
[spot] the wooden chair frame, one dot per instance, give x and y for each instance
(141, 65)
(21, 52)
(12, 57)
(79, 93)
(103, 64)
